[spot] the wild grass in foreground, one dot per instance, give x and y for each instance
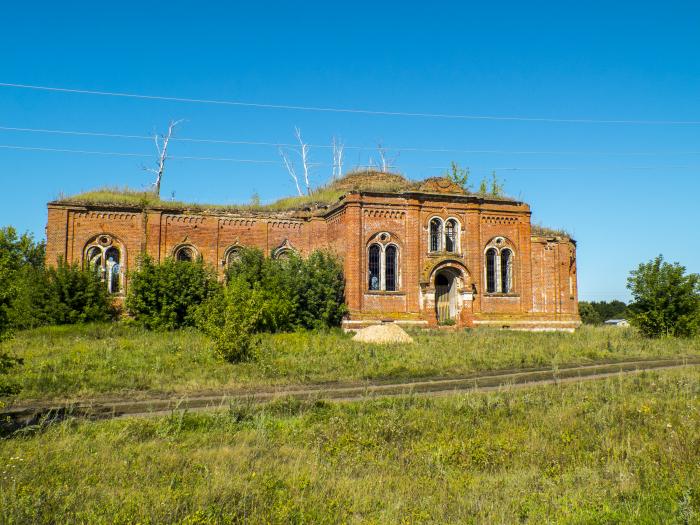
(622, 450)
(109, 359)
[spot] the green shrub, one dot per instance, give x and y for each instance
(272, 295)
(165, 296)
(299, 293)
(17, 253)
(232, 317)
(666, 300)
(588, 313)
(69, 294)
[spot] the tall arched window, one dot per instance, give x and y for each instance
(374, 267)
(435, 235)
(506, 270)
(499, 266)
(491, 270)
(390, 256)
(451, 233)
(104, 257)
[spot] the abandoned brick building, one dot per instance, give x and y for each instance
(418, 253)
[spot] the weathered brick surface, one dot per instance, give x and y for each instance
(544, 291)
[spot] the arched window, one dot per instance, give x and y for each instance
(491, 270)
(451, 235)
(506, 270)
(374, 267)
(390, 256)
(185, 253)
(104, 257)
(499, 266)
(435, 235)
(233, 255)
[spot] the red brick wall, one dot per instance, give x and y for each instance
(544, 271)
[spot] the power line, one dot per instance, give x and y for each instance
(125, 154)
(363, 148)
(265, 161)
(325, 109)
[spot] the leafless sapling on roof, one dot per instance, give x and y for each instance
(162, 142)
(385, 163)
(290, 169)
(338, 148)
(305, 163)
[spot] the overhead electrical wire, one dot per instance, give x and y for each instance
(100, 134)
(266, 161)
(329, 109)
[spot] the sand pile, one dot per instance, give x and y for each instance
(383, 334)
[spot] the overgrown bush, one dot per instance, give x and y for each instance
(272, 295)
(32, 295)
(165, 295)
(232, 317)
(666, 300)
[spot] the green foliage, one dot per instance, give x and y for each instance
(298, 293)
(589, 315)
(69, 294)
(165, 296)
(8, 385)
(459, 175)
(497, 185)
(31, 295)
(272, 295)
(17, 253)
(666, 300)
(597, 312)
(232, 317)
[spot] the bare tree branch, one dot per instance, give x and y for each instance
(162, 155)
(338, 148)
(290, 169)
(304, 150)
(382, 158)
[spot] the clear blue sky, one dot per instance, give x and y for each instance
(626, 191)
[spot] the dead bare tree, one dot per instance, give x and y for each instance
(338, 148)
(290, 169)
(385, 162)
(382, 158)
(304, 152)
(162, 142)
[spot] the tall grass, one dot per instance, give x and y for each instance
(623, 450)
(108, 359)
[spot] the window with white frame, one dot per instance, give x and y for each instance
(103, 255)
(498, 267)
(436, 235)
(383, 265)
(444, 235)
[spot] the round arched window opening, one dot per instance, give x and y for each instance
(185, 254)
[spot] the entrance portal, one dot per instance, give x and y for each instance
(445, 296)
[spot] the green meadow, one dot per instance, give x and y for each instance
(621, 450)
(121, 359)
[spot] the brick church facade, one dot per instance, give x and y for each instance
(425, 254)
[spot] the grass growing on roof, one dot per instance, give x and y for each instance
(322, 196)
(76, 361)
(620, 450)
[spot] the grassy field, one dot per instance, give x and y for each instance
(622, 450)
(111, 359)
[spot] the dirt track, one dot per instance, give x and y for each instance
(20, 415)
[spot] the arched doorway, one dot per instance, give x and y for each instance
(446, 304)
